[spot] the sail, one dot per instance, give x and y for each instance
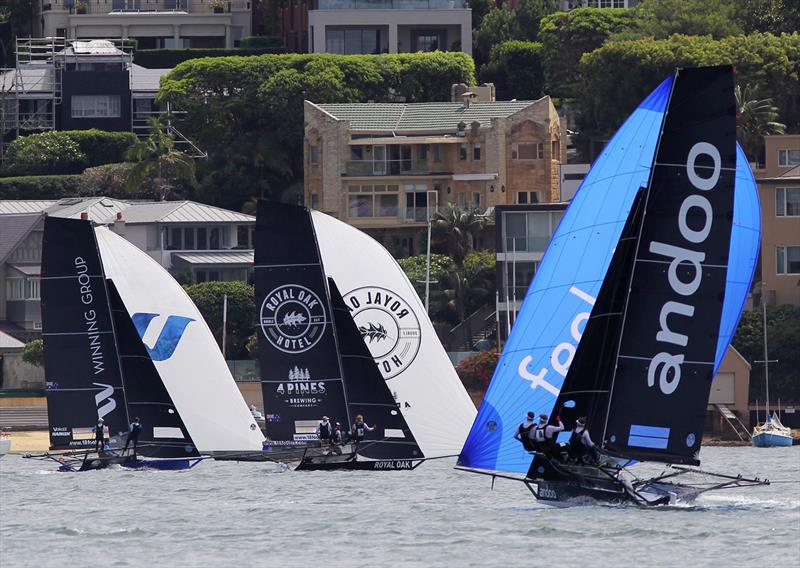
(666, 357)
(182, 347)
(163, 433)
(367, 391)
(558, 303)
(82, 371)
(393, 322)
(301, 376)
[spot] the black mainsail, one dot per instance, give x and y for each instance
(367, 391)
(82, 371)
(163, 434)
(301, 373)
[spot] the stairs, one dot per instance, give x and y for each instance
(734, 422)
(23, 417)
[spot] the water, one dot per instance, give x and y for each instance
(228, 514)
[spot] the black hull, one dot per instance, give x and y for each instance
(315, 464)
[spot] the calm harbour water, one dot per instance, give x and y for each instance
(228, 514)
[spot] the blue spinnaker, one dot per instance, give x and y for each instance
(549, 325)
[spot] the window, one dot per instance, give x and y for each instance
(313, 154)
(436, 150)
(32, 289)
(606, 3)
(555, 150)
(175, 239)
(372, 200)
(429, 40)
(356, 152)
(423, 152)
(476, 199)
(787, 201)
(95, 106)
(789, 157)
(202, 238)
(208, 276)
(788, 260)
(23, 289)
(526, 197)
(476, 152)
(462, 151)
(354, 41)
(527, 151)
(243, 235)
(462, 199)
(315, 201)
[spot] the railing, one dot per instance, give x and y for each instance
(462, 336)
(141, 6)
(389, 4)
(386, 167)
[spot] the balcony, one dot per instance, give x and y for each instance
(390, 5)
(402, 167)
(101, 7)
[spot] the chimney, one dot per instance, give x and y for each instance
(119, 224)
(84, 216)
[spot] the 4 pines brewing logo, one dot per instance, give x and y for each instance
(292, 318)
(389, 326)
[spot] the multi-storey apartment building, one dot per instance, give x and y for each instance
(779, 190)
(154, 24)
(384, 167)
(389, 26)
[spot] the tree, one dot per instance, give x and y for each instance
(773, 16)
(479, 9)
(755, 119)
(16, 20)
(209, 299)
(33, 353)
(515, 68)
(499, 24)
(456, 230)
(44, 154)
(529, 15)
(662, 18)
(159, 163)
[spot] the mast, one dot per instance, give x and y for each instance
(766, 358)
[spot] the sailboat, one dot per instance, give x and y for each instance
(772, 433)
(97, 364)
(653, 259)
(314, 361)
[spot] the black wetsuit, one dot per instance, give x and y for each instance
(99, 436)
(133, 436)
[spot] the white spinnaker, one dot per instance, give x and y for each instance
(195, 374)
(433, 400)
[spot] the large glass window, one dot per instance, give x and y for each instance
(476, 152)
(373, 200)
(787, 201)
(789, 157)
(462, 152)
(526, 197)
(527, 151)
(95, 106)
(429, 40)
(353, 41)
(516, 231)
(788, 260)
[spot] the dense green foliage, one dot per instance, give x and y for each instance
(515, 68)
(247, 112)
(169, 58)
(662, 18)
(33, 352)
(65, 152)
(503, 23)
(773, 16)
(414, 267)
(40, 187)
(566, 36)
(208, 297)
(783, 331)
(617, 76)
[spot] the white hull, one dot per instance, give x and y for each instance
(5, 446)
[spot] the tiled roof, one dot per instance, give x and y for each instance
(104, 210)
(409, 117)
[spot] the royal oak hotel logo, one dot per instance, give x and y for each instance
(292, 318)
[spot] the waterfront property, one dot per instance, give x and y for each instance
(384, 167)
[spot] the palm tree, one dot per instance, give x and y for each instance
(156, 160)
(755, 119)
(456, 231)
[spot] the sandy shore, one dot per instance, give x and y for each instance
(25, 442)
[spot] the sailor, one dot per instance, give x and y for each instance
(544, 435)
(337, 439)
(359, 430)
(580, 443)
(99, 435)
(523, 433)
(325, 430)
(133, 435)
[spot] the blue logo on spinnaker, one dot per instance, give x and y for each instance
(169, 337)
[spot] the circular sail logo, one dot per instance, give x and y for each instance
(388, 325)
(292, 318)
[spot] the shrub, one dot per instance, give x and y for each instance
(100, 146)
(33, 353)
(476, 370)
(45, 153)
(109, 180)
(40, 187)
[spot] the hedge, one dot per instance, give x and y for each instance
(40, 187)
(66, 152)
(515, 67)
(169, 58)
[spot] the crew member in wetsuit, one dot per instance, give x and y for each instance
(337, 440)
(544, 435)
(581, 445)
(133, 435)
(325, 431)
(359, 430)
(99, 435)
(524, 432)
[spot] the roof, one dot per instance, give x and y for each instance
(14, 229)
(8, 342)
(28, 269)
(229, 257)
(33, 81)
(143, 79)
(94, 47)
(409, 117)
(792, 174)
(104, 210)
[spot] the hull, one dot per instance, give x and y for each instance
(164, 465)
(5, 446)
(347, 464)
(771, 440)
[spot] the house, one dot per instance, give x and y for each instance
(76, 85)
(155, 24)
(385, 167)
(377, 26)
(195, 242)
(779, 191)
